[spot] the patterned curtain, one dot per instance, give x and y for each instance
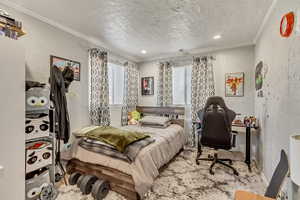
(165, 94)
(99, 90)
(202, 83)
(131, 86)
(202, 88)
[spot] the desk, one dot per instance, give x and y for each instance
(246, 130)
(239, 129)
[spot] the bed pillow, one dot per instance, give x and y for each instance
(155, 121)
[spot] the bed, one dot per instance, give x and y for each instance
(134, 179)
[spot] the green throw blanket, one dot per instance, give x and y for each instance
(118, 138)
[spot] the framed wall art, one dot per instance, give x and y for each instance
(234, 84)
(147, 86)
(61, 63)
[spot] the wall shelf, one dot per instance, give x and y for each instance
(10, 25)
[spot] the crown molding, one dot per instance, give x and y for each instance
(91, 40)
(264, 22)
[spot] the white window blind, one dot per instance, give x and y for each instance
(116, 83)
(182, 77)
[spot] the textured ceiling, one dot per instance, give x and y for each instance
(161, 27)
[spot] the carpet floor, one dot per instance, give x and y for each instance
(182, 179)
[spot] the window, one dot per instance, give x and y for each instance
(116, 83)
(182, 77)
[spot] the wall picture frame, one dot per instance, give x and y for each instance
(61, 63)
(234, 84)
(147, 86)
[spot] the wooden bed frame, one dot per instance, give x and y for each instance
(120, 182)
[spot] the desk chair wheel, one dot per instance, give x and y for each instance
(197, 162)
(236, 173)
(211, 172)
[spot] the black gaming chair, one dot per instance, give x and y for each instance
(215, 131)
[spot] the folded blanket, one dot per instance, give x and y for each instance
(118, 138)
(129, 154)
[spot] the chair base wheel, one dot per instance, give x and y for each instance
(236, 173)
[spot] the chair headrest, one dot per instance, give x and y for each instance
(215, 100)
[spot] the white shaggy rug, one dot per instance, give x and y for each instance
(182, 179)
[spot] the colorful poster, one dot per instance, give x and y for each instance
(234, 84)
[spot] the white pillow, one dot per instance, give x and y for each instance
(155, 120)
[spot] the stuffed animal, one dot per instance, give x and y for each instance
(37, 99)
(133, 117)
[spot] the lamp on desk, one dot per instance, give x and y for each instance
(295, 158)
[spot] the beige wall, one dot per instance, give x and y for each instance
(227, 61)
(43, 40)
(12, 120)
(279, 110)
(231, 60)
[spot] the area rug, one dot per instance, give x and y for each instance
(182, 179)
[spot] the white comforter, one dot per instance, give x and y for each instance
(146, 166)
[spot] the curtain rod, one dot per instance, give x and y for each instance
(185, 58)
(113, 57)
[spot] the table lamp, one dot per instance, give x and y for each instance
(295, 158)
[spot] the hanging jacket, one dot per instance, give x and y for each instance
(58, 97)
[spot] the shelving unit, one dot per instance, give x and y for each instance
(10, 27)
(13, 28)
(40, 146)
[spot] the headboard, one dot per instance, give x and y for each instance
(176, 113)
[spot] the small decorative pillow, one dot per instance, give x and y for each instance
(155, 121)
(133, 117)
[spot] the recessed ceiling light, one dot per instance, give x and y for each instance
(216, 37)
(143, 51)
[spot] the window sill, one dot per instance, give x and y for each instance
(115, 106)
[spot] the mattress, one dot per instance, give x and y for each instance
(145, 168)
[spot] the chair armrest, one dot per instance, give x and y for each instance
(244, 195)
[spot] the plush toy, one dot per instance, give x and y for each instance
(133, 117)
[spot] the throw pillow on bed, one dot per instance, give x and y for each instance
(133, 117)
(155, 121)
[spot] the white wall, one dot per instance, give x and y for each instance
(236, 60)
(148, 69)
(232, 60)
(43, 40)
(279, 110)
(12, 120)
(227, 61)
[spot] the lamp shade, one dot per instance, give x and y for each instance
(295, 158)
